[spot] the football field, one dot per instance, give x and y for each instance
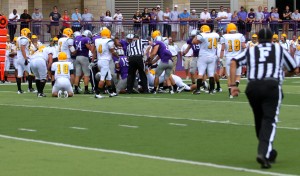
(141, 134)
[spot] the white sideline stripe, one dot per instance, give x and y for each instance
(141, 115)
(184, 99)
(78, 128)
(25, 129)
(146, 156)
(197, 100)
(128, 126)
(178, 124)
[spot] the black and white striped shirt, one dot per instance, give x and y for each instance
(136, 47)
(266, 61)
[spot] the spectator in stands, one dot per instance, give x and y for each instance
(222, 18)
(160, 18)
(119, 25)
(205, 18)
(107, 18)
(287, 14)
(167, 25)
(25, 18)
(213, 16)
(194, 19)
(76, 18)
(54, 24)
(242, 15)
(153, 21)
(12, 24)
(145, 20)
(296, 17)
(229, 14)
(274, 21)
(250, 20)
(184, 17)
(66, 20)
(137, 18)
(234, 17)
(174, 25)
(37, 17)
(259, 17)
(87, 18)
(266, 19)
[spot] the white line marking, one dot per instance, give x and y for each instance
(141, 115)
(25, 129)
(78, 128)
(177, 124)
(147, 156)
(128, 126)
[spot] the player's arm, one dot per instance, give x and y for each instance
(222, 51)
(153, 52)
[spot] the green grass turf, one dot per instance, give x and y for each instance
(201, 140)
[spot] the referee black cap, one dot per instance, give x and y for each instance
(265, 35)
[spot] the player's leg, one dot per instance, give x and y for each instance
(20, 68)
(210, 73)
(84, 62)
(78, 74)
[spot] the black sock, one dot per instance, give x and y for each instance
(211, 84)
(38, 85)
(109, 89)
(218, 85)
(52, 83)
(199, 83)
(5, 78)
(43, 83)
(19, 84)
(175, 87)
(237, 83)
(170, 88)
(155, 88)
(30, 78)
(86, 88)
(76, 88)
(229, 90)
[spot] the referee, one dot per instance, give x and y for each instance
(265, 64)
(134, 52)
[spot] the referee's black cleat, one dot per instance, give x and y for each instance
(273, 156)
(263, 162)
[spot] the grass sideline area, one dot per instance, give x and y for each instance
(170, 135)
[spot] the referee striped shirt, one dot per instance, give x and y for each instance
(136, 47)
(266, 61)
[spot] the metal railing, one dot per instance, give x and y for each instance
(168, 28)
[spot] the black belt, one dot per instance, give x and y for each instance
(264, 79)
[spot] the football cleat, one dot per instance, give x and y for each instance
(231, 97)
(41, 95)
(66, 95)
(20, 92)
(265, 164)
(99, 96)
(59, 94)
(180, 89)
(171, 92)
(76, 92)
(196, 92)
(32, 90)
(219, 90)
(113, 94)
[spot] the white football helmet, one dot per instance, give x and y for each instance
(87, 33)
(77, 33)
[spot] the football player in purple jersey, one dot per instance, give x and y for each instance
(196, 49)
(160, 51)
(83, 46)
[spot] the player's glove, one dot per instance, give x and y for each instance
(91, 65)
(26, 62)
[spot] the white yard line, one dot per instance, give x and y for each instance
(178, 124)
(146, 156)
(78, 128)
(141, 115)
(128, 126)
(26, 129)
